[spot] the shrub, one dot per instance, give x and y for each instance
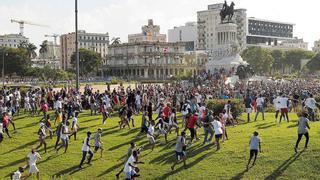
(217, 106)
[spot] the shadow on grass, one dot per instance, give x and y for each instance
(28, 125)
(293, 126)
(14, 163)
(131, 131)
(263, 124)
(266, 127)
(240, 175)
(136, 139)
(21, 147)
(189, 165)
(109, 170)
(276, 173)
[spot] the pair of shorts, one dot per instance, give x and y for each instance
(218, 136)
(96, 148)
(284, 110)
(33, 169)
(253, 152)
(151, 139)
(180, 155)
(249, 110)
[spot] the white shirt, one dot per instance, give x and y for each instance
(131, 161)
(58, 104)
(254, 143)
(75, 122)
(311, 103)
(150, 131)
(217, 127)
(64, 135)
(276, 103)
(16, 175)
(283, 102)
(85, 147)
(138, 99)
(1, 128)
(260, 101)
(33, 158)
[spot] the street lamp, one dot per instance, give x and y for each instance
(77, 50)
(3, 55)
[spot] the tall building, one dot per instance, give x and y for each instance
(96, 42)
(267, 32)
(12, 40)
(150, 33)
(186, 33)
(316, 47)
(152, 60)
(207, 24)
(49, 58)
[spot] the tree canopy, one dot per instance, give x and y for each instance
(90, 61)
(259, 58)
(314, 64)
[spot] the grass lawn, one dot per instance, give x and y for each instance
(277, 160)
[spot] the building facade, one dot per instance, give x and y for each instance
(97, 42)
(208, 21)
(267, 32)
(12, 40)
(186, 33)
(150, 33)
(294, 43)
(156, 61)
(316, 47)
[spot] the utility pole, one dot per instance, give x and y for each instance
(77, 50)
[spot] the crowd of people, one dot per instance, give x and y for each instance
(159, 105)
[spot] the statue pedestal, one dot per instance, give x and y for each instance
(226, 54)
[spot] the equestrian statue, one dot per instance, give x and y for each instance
(227, 11)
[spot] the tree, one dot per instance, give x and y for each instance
(16, 60)
(90, 61)
(279, 58)
(293, 57)
(43, 48)
(314, 64)
(259, 58)
(31, 49)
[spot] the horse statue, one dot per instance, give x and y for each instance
(227, 11)
(115, 41)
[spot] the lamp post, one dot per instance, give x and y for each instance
(3, 56)
(77, 50)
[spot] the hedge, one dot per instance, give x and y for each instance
(217, 106)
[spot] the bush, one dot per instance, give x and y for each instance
(217, 106)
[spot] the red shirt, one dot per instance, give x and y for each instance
(192, 121)
(166, 111)
(5, 120)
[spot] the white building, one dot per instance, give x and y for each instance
(150, 33)
(209, 19)
(294, 44)
(49, 58)
(186, 33)
(12, 40)
(96, 42)
(316, 47)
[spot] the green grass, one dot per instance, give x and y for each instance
(277, 160)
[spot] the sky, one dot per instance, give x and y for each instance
(122, 17)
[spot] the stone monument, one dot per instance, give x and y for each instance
(226, 53)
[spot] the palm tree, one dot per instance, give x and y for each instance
(31, 49)
(43, 48)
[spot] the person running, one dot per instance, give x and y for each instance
(255, 146)
(173, 123)
(260, 107)
(74, 126)
(86, 150)
(277, 106)
(303, 126)
(98, 142)
(64, 136)
(17, 175)
(5, 124)
(248, 106)
(130, 169)
(191, 126)
(311, 107)
(207, 126)
(129, 153)
(42, 137)
(180, 150)
(32, 160)
(217, 126)
(104, 112)
(150, 135)
(284, 102)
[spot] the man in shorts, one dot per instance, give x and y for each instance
(248, 105)
(32, 159)
(98, 142)
(180, 150)
(150, 135)
(255, 146)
